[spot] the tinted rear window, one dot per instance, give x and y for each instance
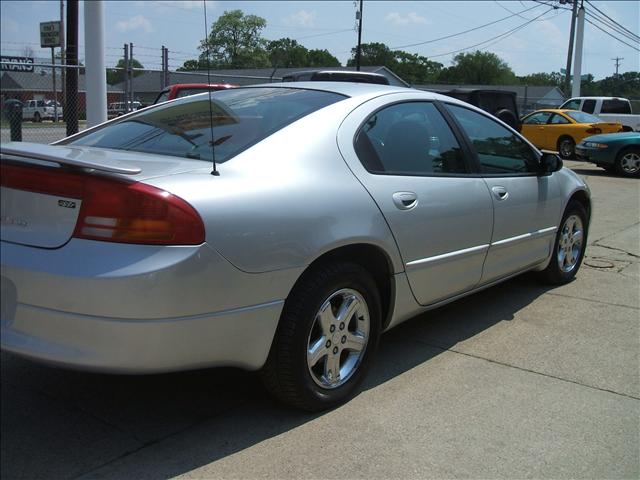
(615, 106)
(239, 118)
(582, 117)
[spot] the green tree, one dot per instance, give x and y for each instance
(321, 58)
(235, 41)
(116, 76)
(482, 68)
(285, 53)
(415, 69)
(373, 54)
(192, 65)
(554, 79)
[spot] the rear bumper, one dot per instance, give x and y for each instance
(239, 338)
(137, 309)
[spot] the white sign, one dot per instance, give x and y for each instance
(50, 34)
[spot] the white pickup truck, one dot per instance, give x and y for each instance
(38, 110)
(609, 109)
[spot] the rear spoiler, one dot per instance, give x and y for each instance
(71, 156)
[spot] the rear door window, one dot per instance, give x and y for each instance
(409, 138)
(589, 106)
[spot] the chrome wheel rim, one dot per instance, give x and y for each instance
(570, 243)
(566, 148)
(338, 338)
(630, 163)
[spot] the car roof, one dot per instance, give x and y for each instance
(349, 89)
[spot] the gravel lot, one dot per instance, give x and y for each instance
(518, 381)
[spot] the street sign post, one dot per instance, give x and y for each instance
(50, 37)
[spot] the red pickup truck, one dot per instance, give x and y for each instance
(185, 89)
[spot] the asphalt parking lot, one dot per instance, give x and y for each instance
(518, 381)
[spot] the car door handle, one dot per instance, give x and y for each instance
(501, 193)
(405, 200)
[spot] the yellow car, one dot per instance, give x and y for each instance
(560, 130)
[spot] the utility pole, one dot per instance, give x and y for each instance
(617, 59)
(126, 77)
(617, 77)
(577, 74)
(567, 75)
(359, 18)
(71, 88)
(62, 57)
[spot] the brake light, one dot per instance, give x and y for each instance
(593, 130)
(112, 209)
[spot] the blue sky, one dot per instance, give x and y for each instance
(540, 46)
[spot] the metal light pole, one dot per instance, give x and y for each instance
(96, 79)
(567, 75)
(577, 73)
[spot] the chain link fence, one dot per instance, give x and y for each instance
(49, 113)
(46, 107)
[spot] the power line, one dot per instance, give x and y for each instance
(502, 36)
(612, 36)
(607, 16)
(463, 32)
(633, 38)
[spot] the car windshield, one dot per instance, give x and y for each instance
(582, 117)
(237, 118)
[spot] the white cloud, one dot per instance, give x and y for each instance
(302, 18)
(135, 23)
(399, 20)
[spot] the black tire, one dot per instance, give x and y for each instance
(36, 117)
(557, 272)
(628, 162)
(508, 117)
(287, 373)
(566, 148)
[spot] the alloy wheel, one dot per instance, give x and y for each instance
(630, 163)
(338, 338)
(570, 243)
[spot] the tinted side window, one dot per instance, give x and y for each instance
(539, 118)
(572, 105)
(589, 106)
(558, 120)
(615, 106)
(409, 139)
(499, 150)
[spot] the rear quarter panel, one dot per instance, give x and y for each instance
(287, 200)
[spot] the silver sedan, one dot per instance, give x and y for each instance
(278, 228)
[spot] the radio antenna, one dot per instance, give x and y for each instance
(206, 39)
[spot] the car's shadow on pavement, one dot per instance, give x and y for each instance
(63, 424)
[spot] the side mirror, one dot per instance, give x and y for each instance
(550, 162)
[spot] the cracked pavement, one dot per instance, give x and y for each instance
(518, 381)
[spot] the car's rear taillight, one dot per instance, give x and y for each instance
(112, 209)
(593, 130)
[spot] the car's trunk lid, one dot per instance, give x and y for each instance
(41, 192)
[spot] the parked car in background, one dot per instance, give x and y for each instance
(38, 110)
(282, 234)
(618, 152)
(609, 109)
(560, 130)
(336, 76)
(117, 109)
(180, 90)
